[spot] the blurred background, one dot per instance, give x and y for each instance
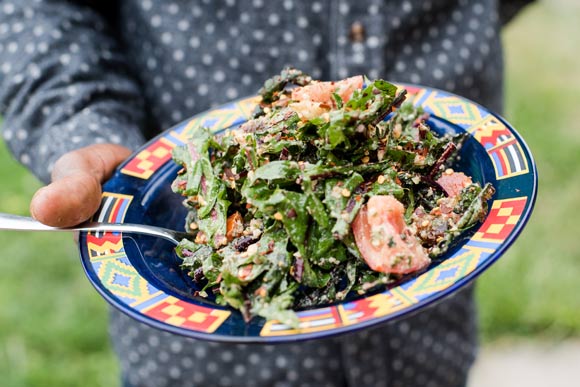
(53, 324)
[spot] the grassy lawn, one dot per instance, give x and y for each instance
(53, 323)
(534, 288)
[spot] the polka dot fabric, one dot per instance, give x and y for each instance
(62, 80)
(222, 50)
(167, 60)
(72, 74)
(435, 347)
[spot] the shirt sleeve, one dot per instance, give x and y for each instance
(64, 82)
(508, 9)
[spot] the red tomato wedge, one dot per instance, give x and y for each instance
(322, 91)
(454, 182)
(384, 240)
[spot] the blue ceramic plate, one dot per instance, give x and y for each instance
(141, 275)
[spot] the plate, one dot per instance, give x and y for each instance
(141, 276)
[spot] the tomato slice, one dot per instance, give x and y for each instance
(384, 240)
(321, 92)
(454, 182)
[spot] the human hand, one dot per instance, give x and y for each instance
(75, 192)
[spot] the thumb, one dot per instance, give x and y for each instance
(75, 192)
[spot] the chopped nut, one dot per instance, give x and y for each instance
(201, 238)
(261, 291)
(278, 216)
(345, 192)
(220, 240)
(252, 249)
(245, 271)
(381, 154)
(381, 179)
(397, 130)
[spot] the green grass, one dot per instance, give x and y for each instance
(533, 289)
(53, 324)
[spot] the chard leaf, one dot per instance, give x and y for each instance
(342, 202)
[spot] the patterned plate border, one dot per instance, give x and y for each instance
(110, 270)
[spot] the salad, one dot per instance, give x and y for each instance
(331, 189)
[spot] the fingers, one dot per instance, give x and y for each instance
(67, 201)
(100, 160)
(75, 192)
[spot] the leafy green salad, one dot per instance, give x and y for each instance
(331, 189)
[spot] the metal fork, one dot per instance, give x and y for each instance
(24, 223)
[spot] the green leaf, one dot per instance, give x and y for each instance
(342, 203)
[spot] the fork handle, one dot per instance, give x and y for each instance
(17, 222)
(25, 223)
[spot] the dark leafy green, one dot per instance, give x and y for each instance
(271, 204)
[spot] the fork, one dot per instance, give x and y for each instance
(24, 223)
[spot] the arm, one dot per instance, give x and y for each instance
(64, 85)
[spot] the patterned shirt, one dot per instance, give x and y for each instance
(73, 73)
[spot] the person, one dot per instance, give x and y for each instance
(84, 83)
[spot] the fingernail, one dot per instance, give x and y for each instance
(33, 201)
